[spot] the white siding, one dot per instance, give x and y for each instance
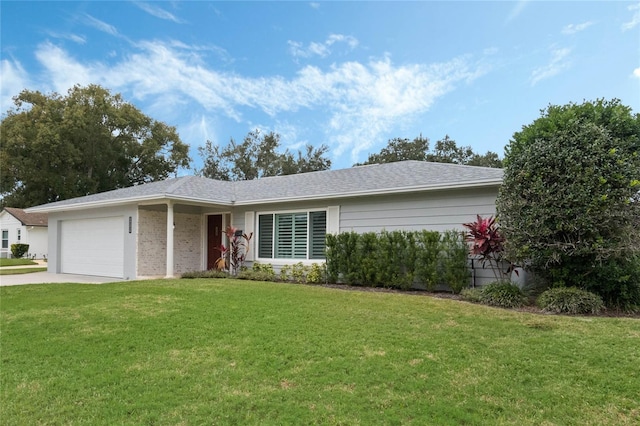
(9, 223)
(37, 240)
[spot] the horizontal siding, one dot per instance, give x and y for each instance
(437, 211)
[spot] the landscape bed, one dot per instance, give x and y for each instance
(208, 351)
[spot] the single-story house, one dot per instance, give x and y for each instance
(20, 227)
(173, 226)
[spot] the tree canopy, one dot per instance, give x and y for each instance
(257, 156)
(570, 203)
(445, 151)
(57, 147)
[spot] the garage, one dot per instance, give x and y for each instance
(92, 246)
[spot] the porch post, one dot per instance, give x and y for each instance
(170, 226)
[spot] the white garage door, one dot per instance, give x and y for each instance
(93, 247)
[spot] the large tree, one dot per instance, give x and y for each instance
(258, 156)
(445, 151)
(570, 203)
(56, 147)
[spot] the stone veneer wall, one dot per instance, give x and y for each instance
(187, 243)
(152, 243)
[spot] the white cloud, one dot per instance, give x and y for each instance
(64, 71)
(14, 80)
(158, 12)
(635, 19)
(360, 101)
(73, 37)
(576, 28)
(322, 49)
(314, 5)
(517, 10)
(100, 25)
(636, 73)
(557, 64)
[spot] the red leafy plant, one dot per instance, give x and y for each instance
(486, 242)
(232, 257)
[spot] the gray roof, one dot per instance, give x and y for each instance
(404, 176)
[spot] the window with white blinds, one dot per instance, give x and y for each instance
(299, 235)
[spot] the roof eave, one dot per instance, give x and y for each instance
(124, 201)
(386, 191)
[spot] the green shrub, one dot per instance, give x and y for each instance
(502, 294)
(472, 294)
(264, 269)
(19, 250)
(454, 256)
(570, 199)
(617, 281)
(398, 259)
(250, 274)
(212, 273)
(299, 272)
(285, 273)
(316, 274)
(570, 300)
(427, 254)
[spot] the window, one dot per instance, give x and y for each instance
(299, 235)
(5, 239)
(18, 234)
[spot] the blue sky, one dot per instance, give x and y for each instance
(351, 75)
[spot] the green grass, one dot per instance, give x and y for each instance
(16, 262)
(19, 271)
(239, 352)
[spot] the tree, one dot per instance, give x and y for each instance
(570, 203)
(445, 151)
(256, 157)
(400, 149)
(56, 147)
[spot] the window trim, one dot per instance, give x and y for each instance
(2, 239)
(281, 260)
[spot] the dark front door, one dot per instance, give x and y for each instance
(214, 239)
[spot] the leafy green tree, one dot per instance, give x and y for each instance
(400, 149)
(569, 207)
(445, 151)
(56, 147)
(256, 157)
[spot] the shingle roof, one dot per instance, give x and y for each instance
(405, 176)
(28, 219)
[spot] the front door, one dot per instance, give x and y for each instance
(214, 239)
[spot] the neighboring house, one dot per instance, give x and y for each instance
(174, 226)
(20, 227)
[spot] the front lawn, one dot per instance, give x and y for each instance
(239, 352)
(20, 271)
(16, 262)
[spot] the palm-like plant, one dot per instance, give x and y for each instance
(232, 257)
(486, 242)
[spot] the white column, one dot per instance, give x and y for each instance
(170, 226)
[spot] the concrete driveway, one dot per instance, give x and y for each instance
(48, 277)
